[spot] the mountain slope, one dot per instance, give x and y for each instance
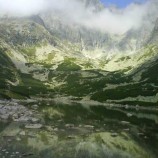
(139, 87)
(72, 61)
(8, 73)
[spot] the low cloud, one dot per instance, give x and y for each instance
(111, 20)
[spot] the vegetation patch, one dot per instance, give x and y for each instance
(68, 65)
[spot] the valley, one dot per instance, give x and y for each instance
(68, 90)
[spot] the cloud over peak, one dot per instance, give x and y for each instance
(111, 20)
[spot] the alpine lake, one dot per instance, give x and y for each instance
(81, 131)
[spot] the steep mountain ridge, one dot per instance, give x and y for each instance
(32, 33)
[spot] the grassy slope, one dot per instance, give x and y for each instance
(147, 86)
(8, 72)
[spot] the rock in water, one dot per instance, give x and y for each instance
(34, 126)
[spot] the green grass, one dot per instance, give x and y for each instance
(30, 51)
(123, 59)
(7, 69)
(29, 86)
(51, 56)
(121, 92)
(88, 65)
(150, 50)
(68, 65)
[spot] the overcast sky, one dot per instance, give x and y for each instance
(116, 21)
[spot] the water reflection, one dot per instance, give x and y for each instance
(76, 131)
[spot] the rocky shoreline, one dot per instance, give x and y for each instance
(13, 111)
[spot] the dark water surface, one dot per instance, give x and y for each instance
(82, 131)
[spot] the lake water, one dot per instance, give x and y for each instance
(82, 131)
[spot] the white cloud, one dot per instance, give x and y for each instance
(110, 20)
(21, 7)
(118, 21)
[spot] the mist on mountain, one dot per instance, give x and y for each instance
(90, 13)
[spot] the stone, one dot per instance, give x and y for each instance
(69, 125)
(35, 107)
(126, 106)
(22, 114)
(50, 129)
(33, 126)
(18, 139)
(89, 126)
(125, 122)
(15, 112)
(114, 134)
(4, 150)
(23, 119)
(141, 134)
(129, 115)
(60, 120)
(137, 107)
(145, 137)
(22, 133)
(48, 104)
(55, 129)
(34, 120)
(15, 116)
(71, 137)
(80, 126)
(126, 129)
